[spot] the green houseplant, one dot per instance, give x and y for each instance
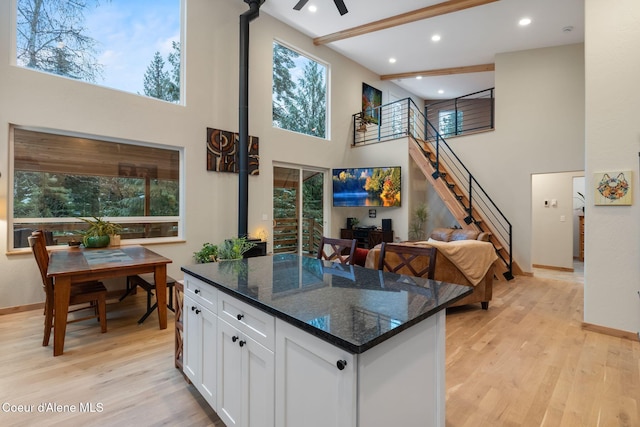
(416, 228)
(99, 232)
(208, 253)
(234, 248)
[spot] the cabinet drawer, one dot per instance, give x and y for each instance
(201, 292)
(255, 323)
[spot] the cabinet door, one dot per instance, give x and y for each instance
(208, 356)
(258, 376)
(191, 341)
(311, 390)
(246, 380)
(229, 375)
(200, 326)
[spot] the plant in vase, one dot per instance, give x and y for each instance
(99, 232)
(416, 228)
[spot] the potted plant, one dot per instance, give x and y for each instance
(208, 253)
(99, 232)
(416, 228)
(234, 248)
(364, 121)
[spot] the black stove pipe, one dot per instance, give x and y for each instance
(243, 147)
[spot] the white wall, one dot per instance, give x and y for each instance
(539, 128)
(35, 99)
(612, 233)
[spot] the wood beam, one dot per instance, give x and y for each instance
(404, 18)
(441, 72)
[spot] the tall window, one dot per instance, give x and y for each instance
(122, 44)
(59, 178)
(450, 123)
(299, 92)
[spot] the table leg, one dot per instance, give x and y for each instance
(61, 293)
(160, 278)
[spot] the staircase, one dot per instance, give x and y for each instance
(463, 196)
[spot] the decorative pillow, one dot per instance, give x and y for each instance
(442, 234)
(464, 235)
(360, 256)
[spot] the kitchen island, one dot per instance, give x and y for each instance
(293, 341)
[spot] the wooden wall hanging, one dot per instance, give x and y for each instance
(222, 152)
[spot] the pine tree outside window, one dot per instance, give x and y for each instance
(127, 45)
(299, 92)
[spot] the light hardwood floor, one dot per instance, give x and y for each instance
(524, 362)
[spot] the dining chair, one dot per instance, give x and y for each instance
(94, 293)
(408, 260)
(147, 282)
(340, 249)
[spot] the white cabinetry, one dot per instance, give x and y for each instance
(200, 326)
(245, 379)
(316, 381)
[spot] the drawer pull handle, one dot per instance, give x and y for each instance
(234, 338)
(197, 291)
(242, 343)
(240, 316)
(341, 364)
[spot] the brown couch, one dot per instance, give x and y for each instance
(446, 270)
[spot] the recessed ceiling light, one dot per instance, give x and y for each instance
(435, 38)
(418, 77)
(524, 22)
(440, 91)
(392, 60)
(312, 8)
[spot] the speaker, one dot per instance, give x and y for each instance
(386, 224)
(350, 223)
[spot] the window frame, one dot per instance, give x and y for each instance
(179, 219)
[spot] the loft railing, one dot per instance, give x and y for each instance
(402, 119)
(465, 114)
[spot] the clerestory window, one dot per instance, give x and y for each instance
(299, 92)
(132, 46)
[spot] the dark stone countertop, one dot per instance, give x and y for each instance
(352, 307)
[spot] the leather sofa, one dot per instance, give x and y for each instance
(447, 271)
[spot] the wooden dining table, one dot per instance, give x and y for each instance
(73, 265)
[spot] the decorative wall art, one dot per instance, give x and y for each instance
(222, 152)
(613, 188)
(371, 98)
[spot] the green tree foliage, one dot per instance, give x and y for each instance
(51, 37)
(298, 105)
(283, 84)
(162, 83)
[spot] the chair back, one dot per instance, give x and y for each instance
(39, 249)
(419, 261)
(339, 249)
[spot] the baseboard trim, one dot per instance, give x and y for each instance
(21, 308)
(551, 267)
(618, 333)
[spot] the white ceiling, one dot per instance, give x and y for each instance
(468, 37)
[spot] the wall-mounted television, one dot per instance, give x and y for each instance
(367, 186)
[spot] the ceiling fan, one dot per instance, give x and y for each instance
(339, 4)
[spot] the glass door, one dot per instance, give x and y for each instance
(298, 209)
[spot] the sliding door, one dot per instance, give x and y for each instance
(298, 209)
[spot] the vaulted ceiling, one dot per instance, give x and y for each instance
(471, 33)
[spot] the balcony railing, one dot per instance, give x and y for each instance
(466, 114)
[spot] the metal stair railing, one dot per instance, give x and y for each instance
(403, 118)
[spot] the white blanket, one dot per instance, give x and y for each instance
(472, 257)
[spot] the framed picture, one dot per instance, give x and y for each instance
(613, 188)
(371, 99)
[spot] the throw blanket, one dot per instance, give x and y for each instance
(472, 257)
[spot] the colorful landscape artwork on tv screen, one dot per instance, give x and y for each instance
(367, 186)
